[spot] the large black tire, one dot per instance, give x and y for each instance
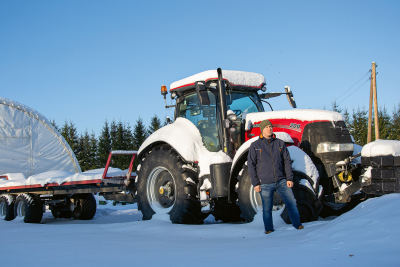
(162, 167)
(308, 203)
(248, 199)
(85, 207)
(29, 207)
(7, 207)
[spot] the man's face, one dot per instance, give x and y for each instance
(267, 131)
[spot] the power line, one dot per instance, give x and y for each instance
(346, 91)
(358, 87)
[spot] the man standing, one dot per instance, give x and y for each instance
(270, 170)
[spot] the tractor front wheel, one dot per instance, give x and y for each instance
(163, 187)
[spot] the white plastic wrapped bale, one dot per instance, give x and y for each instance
(381, 148)
(29, 144)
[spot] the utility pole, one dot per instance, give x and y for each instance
(373, 74)
(373, 97)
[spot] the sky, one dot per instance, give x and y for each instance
(92, 61)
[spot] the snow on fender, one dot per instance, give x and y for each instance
(185, 138)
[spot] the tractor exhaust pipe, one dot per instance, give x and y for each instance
(222, 105)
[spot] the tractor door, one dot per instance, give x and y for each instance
(203, 116)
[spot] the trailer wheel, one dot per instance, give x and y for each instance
(162, 187)
(7, 207)
(308, 204)
(29, 207)
(85, 206)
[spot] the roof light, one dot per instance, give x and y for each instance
(164, 90)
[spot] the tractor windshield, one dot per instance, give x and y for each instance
(242, 102)
(204, 117)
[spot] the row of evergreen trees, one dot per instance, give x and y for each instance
(357, 123)
(93, 152)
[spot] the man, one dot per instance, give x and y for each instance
(270, 170)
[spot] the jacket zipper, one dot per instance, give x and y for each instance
(272, 159)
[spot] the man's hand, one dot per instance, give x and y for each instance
(289, 183)
(257, 188)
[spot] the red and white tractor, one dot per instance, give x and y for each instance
(197, 165)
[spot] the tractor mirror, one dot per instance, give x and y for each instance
(290, 97)
(202, 94)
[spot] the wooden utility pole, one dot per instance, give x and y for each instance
(371, 96)
(373, 75)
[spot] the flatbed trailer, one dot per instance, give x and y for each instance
(73, 199)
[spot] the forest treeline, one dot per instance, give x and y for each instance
(92, 152)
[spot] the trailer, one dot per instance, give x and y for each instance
(27, 199)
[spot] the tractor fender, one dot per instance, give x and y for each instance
(184, 137)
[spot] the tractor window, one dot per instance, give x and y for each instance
(244, 102)
(204, 117)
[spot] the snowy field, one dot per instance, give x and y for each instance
(368, 235)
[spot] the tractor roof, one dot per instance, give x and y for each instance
(235, 78)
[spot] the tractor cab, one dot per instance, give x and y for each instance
(197, 99)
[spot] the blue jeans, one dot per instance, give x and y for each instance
(267, 197)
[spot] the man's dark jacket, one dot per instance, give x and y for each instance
(269, 161)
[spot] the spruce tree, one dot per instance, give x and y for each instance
(83, 156)
(395, 121)
(94, 154)
(335, 107)
(139, 136)
(359, 126)
(104, 145)
(385, 124)
(155, 124)
(69, 132)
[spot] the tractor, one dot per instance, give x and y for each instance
(197, 165)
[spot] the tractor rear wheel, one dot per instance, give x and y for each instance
(162, 187)
(250, 202)
(307, 200)
(248, 199)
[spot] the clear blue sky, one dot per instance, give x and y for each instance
(88, 61)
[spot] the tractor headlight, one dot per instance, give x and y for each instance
(332, 147)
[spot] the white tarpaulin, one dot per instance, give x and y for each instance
(29, 144)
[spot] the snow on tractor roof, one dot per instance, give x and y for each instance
(296, 114)
(235, 78)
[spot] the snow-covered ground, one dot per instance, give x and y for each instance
(368, 235)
